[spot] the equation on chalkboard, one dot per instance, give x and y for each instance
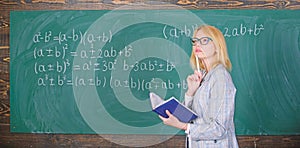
(95, 69)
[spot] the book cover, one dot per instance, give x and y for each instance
(176, 108)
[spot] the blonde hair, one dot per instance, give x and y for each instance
(220, 44)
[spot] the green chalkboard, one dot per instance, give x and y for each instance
(91, 71)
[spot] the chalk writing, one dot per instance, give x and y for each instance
(171, 31)
(58, 66)
(243, 30)
(54, 61)
(76, 35)
(98, 81)
(50, 52)
(239, 31)
(58, 44)
(92, 53)
(149, 66)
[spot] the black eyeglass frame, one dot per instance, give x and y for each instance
(194, 40)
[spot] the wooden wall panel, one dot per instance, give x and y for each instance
(8, 139)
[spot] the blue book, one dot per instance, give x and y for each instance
(176, 108)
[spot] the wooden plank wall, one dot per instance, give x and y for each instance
(8, 139)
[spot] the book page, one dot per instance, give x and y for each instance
(184, 106)
(155, 100)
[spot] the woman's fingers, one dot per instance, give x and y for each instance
(168, 113)
(162, 118)
(193, 77)
(199, 74)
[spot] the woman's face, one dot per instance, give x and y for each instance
(203, 46)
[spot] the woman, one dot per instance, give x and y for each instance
(211, 95)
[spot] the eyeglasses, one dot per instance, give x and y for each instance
(202, 41)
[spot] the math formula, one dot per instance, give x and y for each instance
(243, 30)
(55, 66)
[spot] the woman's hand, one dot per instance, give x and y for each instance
(193, 81)
(173, 121)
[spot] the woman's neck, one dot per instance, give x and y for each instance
(210, 63)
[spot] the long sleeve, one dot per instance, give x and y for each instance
(214, 101)
(188, 100)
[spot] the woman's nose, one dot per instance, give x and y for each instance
(197, 44)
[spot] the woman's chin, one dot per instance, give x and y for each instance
(201, 56)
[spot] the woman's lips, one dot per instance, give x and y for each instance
(197, 50)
